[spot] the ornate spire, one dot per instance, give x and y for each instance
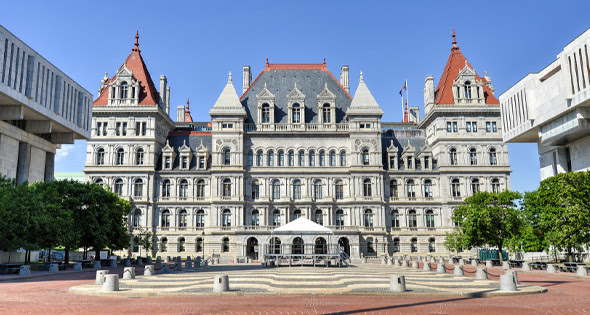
(229, 77)
(324, 61)
(455, 47)
(361, 79)
(136, 48)
(187, 104)
(406, 115)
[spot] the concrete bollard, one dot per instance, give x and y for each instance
(111, 283)
(507, 283)
(77, 266)
(129, 273)
(205, 263)
(128, 262)
(178, 266)
(474, 263)
(384, 261)
(432, 259)
(415, 264)
(551, 268)
(165, 268)
(390, 261)
(489, 264)
(221, 283)
(426, 267)
(189, 258)
(158, 260)
(167, 259)
(582, 271)
(178, 259)
(461, 262)
(100, 276)
(440, 268)
(405, 264)
(481, 273)
(188, 264)
(505, 265)
(396, 263)
(513, 273)
(25, 270)
(364, 260)
(113, 263)
(441, 260)
(217, 261)
(526, 266)
(458, 271)
(149, 270)
(53, 268)
(96, 265)
(149, 260)
(197, 263)
(397, 283)
(139, 261)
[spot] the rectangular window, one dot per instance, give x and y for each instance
(104, 128)
(227, 126)
(426, 163)
(118, 129)
(488, 126)
(143, 128)
(474, 126)
(185, 162)
(137, 128)
(409, 165)
(454, 126)
(124, 132)
(494, 127)
(167, 164)
(468, 126)
(98, 127)
(449, 127)
(201, 162)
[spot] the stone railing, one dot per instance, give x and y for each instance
(288, 127)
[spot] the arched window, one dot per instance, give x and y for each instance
(474, 186)
(393, 189)
(226, 218)
(414, 245)
(164, 245)
(370, 247)
(181, 245)
(227, 187)
(255, 190)
(199, 245)
(118, 187)
(411, 189)
(297, 247)
(317, 189)
(281, 158)
(332, 158)
(339, 190)
(226, 157)
(412, 221)
(183, 189)
(200, 219)
(124, 90)
(320, 246)
(120, 156)
(367, 188)
(296, 189)
(493, 158)
(318, 217)
(428, 188)
(473, 156)
(138, 188)
(259, 158)
(200, 189)
(255, 218)
(182, 216)
(395, 219)
(271, 158)
(339, 218)
(136, 218)
(429, 219)
(455, 188)
(291, 158)
(296, 114)
(368, 218)
(165, 189)
(453, 156)
(276, 217)
(495, 185)
(326, 114)
(225, 245)
(311, 158)
(301, 158)
(322, 158)
(431, 245)
(342, 158)
(296, 214)
(99, 182)
(467, 90)
(139, 156)
(365, 157)
(100, 156)
(250, 158)
(165, 219)
(396, 245)
(265, 113)
(276, 190)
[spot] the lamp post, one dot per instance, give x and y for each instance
(203, 238)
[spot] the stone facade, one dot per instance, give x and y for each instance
(296, 143)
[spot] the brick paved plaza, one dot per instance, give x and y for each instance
(51, 294)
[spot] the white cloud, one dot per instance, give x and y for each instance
(64, 152)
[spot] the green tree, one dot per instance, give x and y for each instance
(144, 239)
(455, 241)
(489, 219)
(17, 206)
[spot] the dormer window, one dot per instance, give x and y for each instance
(184, 162)
(468, 90)
(167, 162)
(326, 114)
(265, 113)
(409, 164)
(201, 162)
(227, 126)
(296, 114)
(426, 162)
(124, 90)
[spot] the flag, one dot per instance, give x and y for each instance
(404, 88)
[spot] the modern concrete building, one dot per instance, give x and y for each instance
(296, 143)
(552, 108)
(40, 109)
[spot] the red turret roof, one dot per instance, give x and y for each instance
(187, 112)
(148, 95)
(456, 62)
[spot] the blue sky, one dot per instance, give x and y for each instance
(195, 44)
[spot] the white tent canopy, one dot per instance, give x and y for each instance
(302, 226)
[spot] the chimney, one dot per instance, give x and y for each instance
(180, 113)
(414, 114)
(247, 79)
(163, 82)
(428, 93)
(168, 100)
(344, 78)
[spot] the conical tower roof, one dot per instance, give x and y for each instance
(228, 101)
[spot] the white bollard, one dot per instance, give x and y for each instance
(96, 265)
(221, 283)
(481, 273)
(100, 276)
(390, 261)
(397, 283)
(405, 264)
(167, 260)
(458, 270)
(78, 266)
(364, 260)
(383, 261)
(396, 263)
(513, 273)
(526, 266)
(461, 262)
(582, 271)
(440, 268)
(489, 264)
(111, 283)
(129, 273)
(505, 265)
(25, 270)
(441, 260)
(426, 267)
(507, 283)
(415, 264)
(474, 262)
(53, 268)
(551, 268)
(149, 270)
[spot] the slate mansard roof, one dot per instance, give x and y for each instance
(280, 80)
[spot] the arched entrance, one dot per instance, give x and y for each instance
(320, 246)
(252, 248)
(344, 245)
(297, 246)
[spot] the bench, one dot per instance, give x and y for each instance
(515, 263)
(539, 265)
(571, 266)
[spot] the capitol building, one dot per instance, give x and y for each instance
(296, 142)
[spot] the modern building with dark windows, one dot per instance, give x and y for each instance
(296, 143)
(41, 108)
